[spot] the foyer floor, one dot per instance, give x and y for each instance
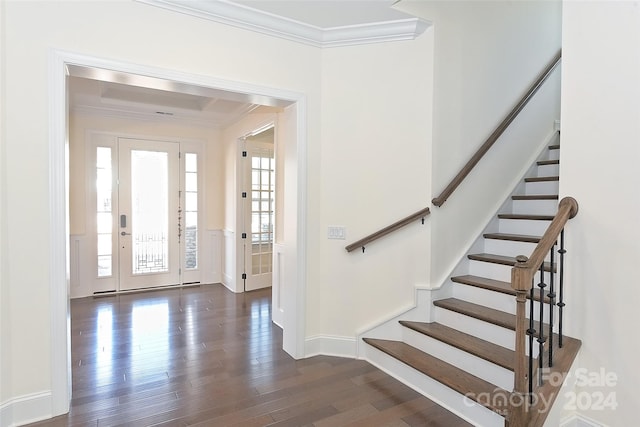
(208, 357)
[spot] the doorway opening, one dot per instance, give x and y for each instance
(257, 203)
(64, 65)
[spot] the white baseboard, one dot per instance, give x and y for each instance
(26, 409)
(578, 420)
(330, 346)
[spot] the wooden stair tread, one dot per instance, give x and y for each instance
(486, 350)
(554, 147)
(455, 378)
(513, 237)
(535, 197)
(526, 217)
(491, 285)
(480, 312)
(501, 259)
(542, 178)
(548, 162)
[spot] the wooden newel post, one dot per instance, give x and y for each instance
(521, 281)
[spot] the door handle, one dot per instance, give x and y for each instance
(124, 233)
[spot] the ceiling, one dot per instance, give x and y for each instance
(322, 23)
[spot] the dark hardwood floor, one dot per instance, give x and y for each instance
(207, 357)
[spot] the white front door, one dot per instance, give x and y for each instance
(258, 208)
(149, 217)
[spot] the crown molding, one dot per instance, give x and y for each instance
(237, 15)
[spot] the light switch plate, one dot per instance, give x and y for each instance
(334, 232)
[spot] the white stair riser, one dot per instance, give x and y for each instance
(535, 207)
(548, 170)
(542, 187)
(479, 328)
(496, 300)
(474, 365)
(508, 247)
(553, 155)
(521, 226)
(499, 271)
(439, 393)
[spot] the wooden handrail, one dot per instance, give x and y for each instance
(383, 232)
(457, 180)
(522, 281)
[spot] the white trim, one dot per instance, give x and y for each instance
(330, 345)
(60, 326)
(577, 420)
(26, 409)
(240, 16)
(59, 302)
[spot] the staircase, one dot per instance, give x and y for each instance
(464, 353)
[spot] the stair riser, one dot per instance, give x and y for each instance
(508, 248)
(548, 170)
(535, 207)
(474, 365)
(495, 300)
(436, 391)
(553, 155)
(520, 226)
(488, 331)
(499, 271)
(542, 187)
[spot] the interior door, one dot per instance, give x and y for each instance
(149, 218)
(258, 209)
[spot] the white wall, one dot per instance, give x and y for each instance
(487, 53)
(374, 162)
(600, 156)
(5, 315)
(126, 31)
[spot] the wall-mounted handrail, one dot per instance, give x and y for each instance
(457, 180)
(389, 229)
(522, 278)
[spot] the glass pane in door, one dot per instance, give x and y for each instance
(149, 211)
(263, 187)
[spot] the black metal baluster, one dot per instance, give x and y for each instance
(561, 303)
(552, 297)
(541, 338)
(531, 332)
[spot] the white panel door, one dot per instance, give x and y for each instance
(148, 219)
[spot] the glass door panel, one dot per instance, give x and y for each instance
(148, 221)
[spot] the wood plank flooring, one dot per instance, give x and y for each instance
(205, 356)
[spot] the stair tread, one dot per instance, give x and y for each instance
(554, 147)
(513, 237)
(541, 178)
(526, 216)
(486, 350)
(500, 259)
(480, 312)
(535, 197)
(548, 162)
(455, 378)
(491, 285)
